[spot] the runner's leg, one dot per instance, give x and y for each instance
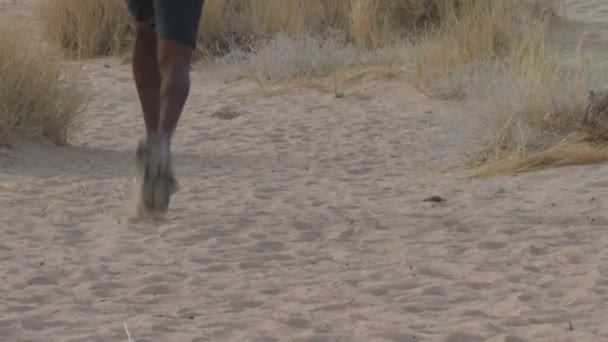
(155, 190)
(147, 75)
(145, 62)
(177, 27)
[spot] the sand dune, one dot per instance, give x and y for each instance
(301, 219)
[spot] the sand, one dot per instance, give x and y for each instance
(302, 218)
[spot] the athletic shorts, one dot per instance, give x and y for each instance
(173, 19)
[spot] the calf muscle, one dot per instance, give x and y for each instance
(147, 76)
(174, 60)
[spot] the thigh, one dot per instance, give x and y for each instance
(178, 20)
(141, 10)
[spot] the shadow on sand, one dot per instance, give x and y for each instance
(41, 160)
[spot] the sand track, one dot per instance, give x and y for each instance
(300, 220)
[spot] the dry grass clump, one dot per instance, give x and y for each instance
(536, 113)
(239, 24)
(283, 39)
(39, 97)
(86, 28)
(474, 33)
(535, 103)
(566, 153)
(305, 56)
(369, 23)
(498, 52)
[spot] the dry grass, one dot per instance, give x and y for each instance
(571, 152)
(305, 56)
(39, 97)
(86, 28)
(369, 23)
(91, 28)
(230, 23)
(498, 52)
(495, 51)
(472, 34)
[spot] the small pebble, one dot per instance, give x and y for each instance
(435, 199)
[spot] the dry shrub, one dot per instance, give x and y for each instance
(90, 28)
(369, 23)
(229, 24)
(281, 39)
(374, 23)
(457, 32)
(571, 152)
(305, 56)
(536, 109)
(471, 33)
(595, 118)
(498, 52)
(86, 28)
(535, 102)
(39, 97)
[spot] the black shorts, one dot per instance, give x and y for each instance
(173, 19)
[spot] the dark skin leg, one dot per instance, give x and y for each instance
(174, 60)
(147, 75)
(161, 69)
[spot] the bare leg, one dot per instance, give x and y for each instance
(147, 75)
(176, 25)
(161, 70)
(154, 155)
(162, 76)
(174, 60)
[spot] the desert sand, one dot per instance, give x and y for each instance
(303, 218)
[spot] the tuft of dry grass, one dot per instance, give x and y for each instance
(86, 28)
(369, 23)
(305, 57)
(472, 33)
(245, 21)
(536, 106)
(567, 153)
(39, 96)
(498, 52)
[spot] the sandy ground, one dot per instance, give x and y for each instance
(302, 219)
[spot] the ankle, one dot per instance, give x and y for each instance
(158, 136)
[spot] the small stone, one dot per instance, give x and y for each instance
(435, 198)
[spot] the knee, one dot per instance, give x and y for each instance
(174, 59)
(145, 33)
